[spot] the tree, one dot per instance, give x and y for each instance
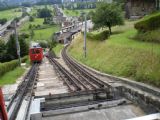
(32, 33)
(2, 51)
(11, 48)
(44, 13)
(108, 15)
(23, 45)
(31, 18)
(3, 21)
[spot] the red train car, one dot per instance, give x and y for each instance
(3, 112)
(36, 54)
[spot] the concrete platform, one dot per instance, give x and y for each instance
(113, 113)
(48, 81)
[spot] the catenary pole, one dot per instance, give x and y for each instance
(85, 32)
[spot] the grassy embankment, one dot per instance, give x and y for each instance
(149, 28)
(10, 14)
(12, 76)
(10, 71)
(76, 12)
(57, 49)
(44, 32)
(121, 55)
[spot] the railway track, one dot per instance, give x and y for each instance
(80, 80)
(83, 74)
(23, 93)
(69, 79)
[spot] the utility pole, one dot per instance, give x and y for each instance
(17, 43)
(85, 32)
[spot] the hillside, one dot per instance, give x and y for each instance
(121, 55)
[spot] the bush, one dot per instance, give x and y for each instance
(43, 13)
(99, 36)
(149, 23)
(31, 18)
(150, 36)
(3, 21)
(8, 66)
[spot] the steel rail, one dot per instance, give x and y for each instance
(85, 80)
(85, 73)
(26, 87)
(72, 80)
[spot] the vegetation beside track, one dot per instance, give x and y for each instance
(149, 28)
(11, 76)
(9, 66)
(121, 55)
(57, 49)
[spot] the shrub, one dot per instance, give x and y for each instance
(31, 18)
(149, 23)
(150, 36)
(99, 36)
(3, 21)
(8, 66)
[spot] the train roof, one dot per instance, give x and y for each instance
(35, 45)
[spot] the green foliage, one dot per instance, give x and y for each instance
(8, 66)
(57, 49)
(3, 21)
(11, 76)
(9, 13)
(31, 18)
(121, 56)
(48, 21)
(32, 33)
(99, 36)
(149, 36)
(11, 49)
(2, 51)
(44, 13)
(81, 5)
(43, 44)
(108, 15)
(149, 23)
(23, 46)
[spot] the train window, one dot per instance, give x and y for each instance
(35, 51)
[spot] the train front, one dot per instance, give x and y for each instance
(36, 53)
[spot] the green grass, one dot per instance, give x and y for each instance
(40, 34)
(120, 55)
(12, 76)
(150, 36)
(10, 14)
(76, 12)
(57, 49)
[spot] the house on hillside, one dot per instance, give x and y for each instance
(138, 8)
